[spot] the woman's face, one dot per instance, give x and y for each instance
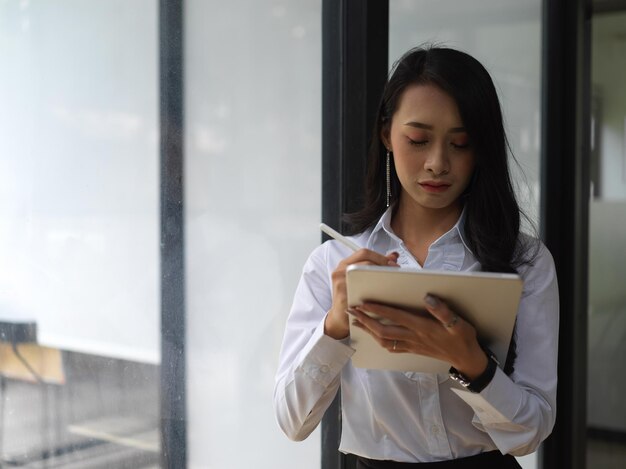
(432, 153)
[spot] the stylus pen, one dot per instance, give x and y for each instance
(339, 237)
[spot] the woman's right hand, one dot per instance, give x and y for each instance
(336, 324)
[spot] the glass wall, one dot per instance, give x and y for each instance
(606, 407)
(253, 205)
(79, 232)
(80, 226)
(506, 38)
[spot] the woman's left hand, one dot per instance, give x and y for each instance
(442, 335)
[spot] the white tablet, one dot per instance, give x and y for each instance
(488, 301)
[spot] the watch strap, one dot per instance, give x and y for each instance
(481, 382)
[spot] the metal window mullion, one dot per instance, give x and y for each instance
(172, 380)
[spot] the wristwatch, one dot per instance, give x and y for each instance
(481, 381)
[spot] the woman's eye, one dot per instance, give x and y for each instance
(460, 145)
(418, 143)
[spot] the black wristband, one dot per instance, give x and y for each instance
(481, 381)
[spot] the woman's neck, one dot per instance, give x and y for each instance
(419, 226)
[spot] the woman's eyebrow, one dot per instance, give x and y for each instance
(420, 125)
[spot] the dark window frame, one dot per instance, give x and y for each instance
(355, 37)
(565, 169)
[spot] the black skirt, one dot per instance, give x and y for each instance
(490, 460)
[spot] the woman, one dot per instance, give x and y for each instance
(438, 196)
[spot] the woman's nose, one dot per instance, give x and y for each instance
(437, 162)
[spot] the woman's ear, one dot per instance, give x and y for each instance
(384, 137)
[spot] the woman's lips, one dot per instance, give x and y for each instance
(434, 186)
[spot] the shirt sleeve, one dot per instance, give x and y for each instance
(518, 412)
(310, 362)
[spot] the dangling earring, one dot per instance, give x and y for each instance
(388, 177)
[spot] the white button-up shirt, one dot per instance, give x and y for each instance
(418, 417)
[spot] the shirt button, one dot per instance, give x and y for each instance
(324, 369)
(435, 429)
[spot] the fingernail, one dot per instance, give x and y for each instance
(350, 311)
(431, 300)
(393, 264)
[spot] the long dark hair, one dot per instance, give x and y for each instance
(492, 222)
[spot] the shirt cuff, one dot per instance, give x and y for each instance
(324, 357)
(497, 404)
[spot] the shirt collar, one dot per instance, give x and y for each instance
(459, 226)
(384, 225)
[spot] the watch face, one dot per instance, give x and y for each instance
(479, 383)
(459, 378)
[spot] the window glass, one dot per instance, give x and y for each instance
(606, 409)
(79, 173)
(253, 205)
(79, 232)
